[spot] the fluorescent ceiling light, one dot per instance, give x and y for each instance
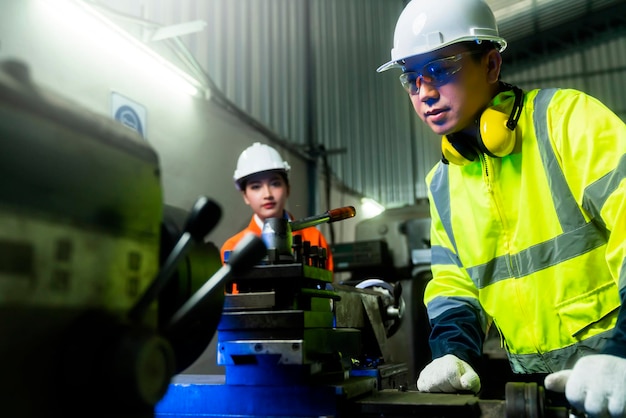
(181, 29)
(80, 17)
(370, 208)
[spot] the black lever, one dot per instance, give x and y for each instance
(204, 216)
(247, 253)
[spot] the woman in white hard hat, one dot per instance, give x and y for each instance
(262, 177)
(528, 209)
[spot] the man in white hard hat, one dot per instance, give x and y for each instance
(262, 177)
(528, 211)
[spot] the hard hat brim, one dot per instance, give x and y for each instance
(396, 63)
(387, 66)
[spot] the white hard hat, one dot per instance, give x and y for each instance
(257, 158)
(425, 26)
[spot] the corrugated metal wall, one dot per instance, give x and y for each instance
(253, 50)
(366, 113)
(593, 64)
(518, 19)
(306, 70)
(599, 70)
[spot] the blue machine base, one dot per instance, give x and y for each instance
(209, 396)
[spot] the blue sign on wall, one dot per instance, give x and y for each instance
(129, 113)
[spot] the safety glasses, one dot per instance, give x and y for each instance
(435, 73)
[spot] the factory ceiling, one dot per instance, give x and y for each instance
(536, 28)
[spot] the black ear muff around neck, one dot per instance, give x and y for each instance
(458, 149)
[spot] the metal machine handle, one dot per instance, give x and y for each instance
(204, 216)
(329, 216)
(249, 251)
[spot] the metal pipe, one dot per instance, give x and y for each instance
(329, 216)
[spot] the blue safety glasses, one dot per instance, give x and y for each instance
(435, 73)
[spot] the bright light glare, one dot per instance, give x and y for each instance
(370, 208)
(83, 19)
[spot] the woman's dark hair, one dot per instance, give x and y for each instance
(244, 181)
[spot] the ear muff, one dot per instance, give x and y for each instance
(496, 131)
(495, 136)
(458, 149)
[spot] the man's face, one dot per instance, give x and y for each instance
(266, 193)
(462, 85)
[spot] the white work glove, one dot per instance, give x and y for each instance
(596, 385)
(448, 374)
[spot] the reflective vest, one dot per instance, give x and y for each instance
(534, 242)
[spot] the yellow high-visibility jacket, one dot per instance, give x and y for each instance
(534, 242)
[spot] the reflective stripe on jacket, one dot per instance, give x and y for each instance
(535, 241)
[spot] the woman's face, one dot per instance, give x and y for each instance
(266, 193)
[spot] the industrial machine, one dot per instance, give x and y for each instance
(395, 246)
(294, 335)
(103, 288)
